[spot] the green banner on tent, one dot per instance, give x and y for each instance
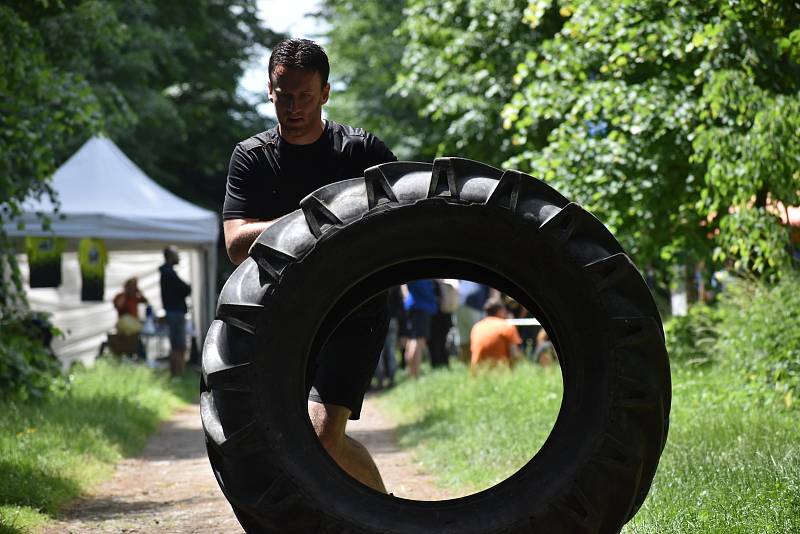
(93, 257)
(44, 260)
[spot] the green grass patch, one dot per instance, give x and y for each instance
(55, 450)
(731, 463)
(475, 431)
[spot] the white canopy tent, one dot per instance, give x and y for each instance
(104, 195)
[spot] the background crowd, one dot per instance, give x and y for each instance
(439, 320)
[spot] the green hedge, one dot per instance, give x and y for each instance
(28, 368)
(754, 330)
(759, 332)
(692, 338)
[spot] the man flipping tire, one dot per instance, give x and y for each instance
(270, 173)
(279, 328)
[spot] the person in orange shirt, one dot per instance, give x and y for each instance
(492, 339)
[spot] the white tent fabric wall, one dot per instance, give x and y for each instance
(104, 195)
(85, 324)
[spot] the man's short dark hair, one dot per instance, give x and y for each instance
(300, 54)
(494, 305)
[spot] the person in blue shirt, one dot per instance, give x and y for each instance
(420, 304)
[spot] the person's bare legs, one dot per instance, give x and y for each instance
(413, 355)
(329, 422)
(177, 365)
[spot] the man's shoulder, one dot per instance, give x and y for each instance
(346, 129)
(259, 139)
(351, 134)
(360, 144)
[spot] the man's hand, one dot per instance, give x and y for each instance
(240, 234)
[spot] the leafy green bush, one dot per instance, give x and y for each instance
(692, 337)
(28, 367)
(760, 332)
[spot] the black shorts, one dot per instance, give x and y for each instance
(344, 367)
(420, 322)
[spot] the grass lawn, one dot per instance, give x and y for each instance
(731, 463)
(54, 451)
(473, 432)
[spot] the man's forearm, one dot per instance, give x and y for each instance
(239, 244)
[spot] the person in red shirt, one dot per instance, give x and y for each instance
(128, 324)
(493, 340)
(127, 302)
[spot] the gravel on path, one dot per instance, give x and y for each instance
(170, 487)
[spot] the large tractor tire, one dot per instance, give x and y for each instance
(461, 219)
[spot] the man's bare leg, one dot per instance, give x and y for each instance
(413, 355)
(329, 422)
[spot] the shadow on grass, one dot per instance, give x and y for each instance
(433, 426)
(31, 485)
(13, 529)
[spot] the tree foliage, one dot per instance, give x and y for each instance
(673, 121)
(41, 107)
(166, 76)
(431, 78)
(460, 58)
(159, 78)
(365, 50)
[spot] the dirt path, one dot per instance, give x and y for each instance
(170, 487)
(401, 476)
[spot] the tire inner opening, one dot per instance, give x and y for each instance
(507, 411)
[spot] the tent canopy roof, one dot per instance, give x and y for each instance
(104, 194)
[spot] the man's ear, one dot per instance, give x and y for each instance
(325, 92)
(269, 89)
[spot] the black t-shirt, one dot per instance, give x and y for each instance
(268, 176)
(173, 290)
